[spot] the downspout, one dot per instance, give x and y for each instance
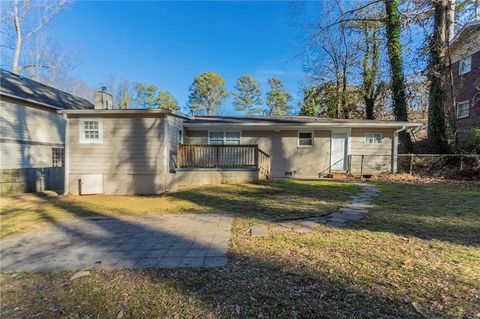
(66, 156)
(395, 150)
(166, 148)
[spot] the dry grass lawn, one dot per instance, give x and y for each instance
(416, 255)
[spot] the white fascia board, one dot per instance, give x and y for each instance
(273, 126)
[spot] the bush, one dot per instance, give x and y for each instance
(474, 144)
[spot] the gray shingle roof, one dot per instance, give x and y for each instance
(27, 89)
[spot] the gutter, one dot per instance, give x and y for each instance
(270, 126)
(66, 156)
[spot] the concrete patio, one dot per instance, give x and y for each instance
(189, 240)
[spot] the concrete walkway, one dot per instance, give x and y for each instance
(190, 240)
(358, 206)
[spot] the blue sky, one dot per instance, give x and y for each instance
(169, 43)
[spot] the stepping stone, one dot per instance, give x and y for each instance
(280, 228)
(337, 219)
(308, 223)
(335, 224)
(358, 206)
(335, 215)
(353, 210)
(301, 229)
(288, 224)
(259, 231)
(352, 217)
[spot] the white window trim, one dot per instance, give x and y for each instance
(225, 131)
(460, 71)
(365, 138)
(81, 134)
(305, 146)
(468, 109)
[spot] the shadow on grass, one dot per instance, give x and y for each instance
(443, 212)
(271, 199)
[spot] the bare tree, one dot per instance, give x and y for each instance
(23, 20)
(121, 89)
(331, 57)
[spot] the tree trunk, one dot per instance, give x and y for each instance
(18, 44)
(438, 76)
(393, 27)
(370, 71)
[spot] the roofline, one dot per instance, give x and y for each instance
(128, 112)
(466, 26)
(346, 124)
(256, 125)
(29, 100)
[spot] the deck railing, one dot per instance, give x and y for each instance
(223, 156)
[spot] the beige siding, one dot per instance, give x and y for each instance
(287, 156)
(27, 123)
(131, 157)
(15, 155)
(175, 124)
(377, 157)
(283, 148)
(196, 137)
(28, 134)
(196, 177)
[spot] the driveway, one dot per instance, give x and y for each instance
(188, 240)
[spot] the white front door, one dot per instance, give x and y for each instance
(339, 151)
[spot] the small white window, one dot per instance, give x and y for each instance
(463, 109)
(465, 65)
(305, 139)
(180, 136)
(224, 138)
(57, 157)
(91, 131)
(373, 138)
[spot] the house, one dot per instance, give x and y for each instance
(153, 151)
(32, 133)
(465, 59)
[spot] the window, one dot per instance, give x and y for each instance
(373, 138)
(224, 138)
(57, 157)
(305, 139)
(232, 138)
(465, 65)
(180, 136)
(91, 131)
(463, 109)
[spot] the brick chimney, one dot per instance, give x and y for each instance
(103, 100)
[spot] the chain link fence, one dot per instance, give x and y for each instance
(452, 166)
